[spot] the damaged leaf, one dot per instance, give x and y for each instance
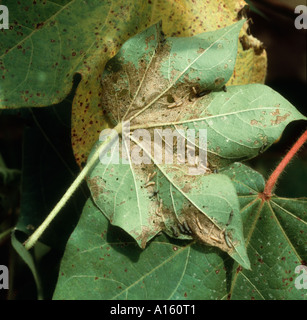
(42, 51)
(180, 87)
(179, 19)
(123, 191)
(106, 263)
(152, 70)
(242, 122)
(204, 207)
(162, 84)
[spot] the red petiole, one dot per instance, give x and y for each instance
(267, 193)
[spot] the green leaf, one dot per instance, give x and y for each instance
(149, 68)
(107, 264)
(180, 18)
(140, 83)
(209, 207)
(242, 122)
(29, 260)
(205, 203)
(119, 190)
(210, 59)
(49, 41)
(274, 231)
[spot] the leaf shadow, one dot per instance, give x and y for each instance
(124, 244)
(121, 242)
(227, 262)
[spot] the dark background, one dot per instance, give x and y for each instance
(273, 24)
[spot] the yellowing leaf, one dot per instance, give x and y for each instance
(49, 42)
(179, 18)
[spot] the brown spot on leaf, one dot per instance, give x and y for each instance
(280, 119)
(39, 25)
(275, 113)
(96, 186)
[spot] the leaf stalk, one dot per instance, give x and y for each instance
(270, 185)
(30, 242)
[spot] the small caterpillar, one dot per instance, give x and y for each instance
(151, 183)
(175, 104)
